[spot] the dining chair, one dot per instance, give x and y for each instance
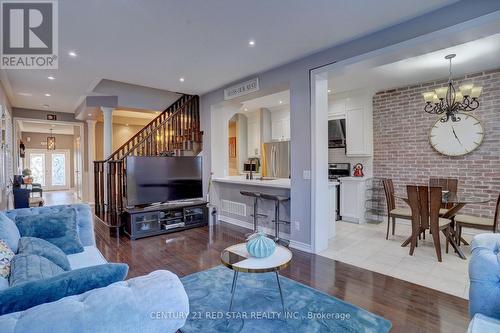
(447, 184)
(477, 222)
(425, 203)
(392, 211)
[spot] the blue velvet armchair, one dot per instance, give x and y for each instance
(484, 275)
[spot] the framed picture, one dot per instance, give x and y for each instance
(232, 146)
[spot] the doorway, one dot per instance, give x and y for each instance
(50, 168)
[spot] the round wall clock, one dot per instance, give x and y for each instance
(456, 138)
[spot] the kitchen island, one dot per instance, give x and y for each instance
(234, 208)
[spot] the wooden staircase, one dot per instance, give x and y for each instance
(175, 132)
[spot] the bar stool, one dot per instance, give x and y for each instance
(277, 200)
(256, 196)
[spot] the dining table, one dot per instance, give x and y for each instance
(455, 202)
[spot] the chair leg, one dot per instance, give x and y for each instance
(437, 243)
(388, 226)
(393, 225)
(451, 238)
(459, 227)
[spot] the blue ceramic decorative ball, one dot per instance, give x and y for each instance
(260, 246)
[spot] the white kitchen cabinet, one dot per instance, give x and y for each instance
(280, 129)
(355, 124)
(352, 199)
(253, 142)
(336, 107)
(357, 109)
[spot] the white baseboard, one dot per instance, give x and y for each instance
(301, 246)
(294, 244)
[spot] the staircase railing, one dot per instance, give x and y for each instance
(175, 131)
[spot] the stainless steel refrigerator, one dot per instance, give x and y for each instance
(276, 159)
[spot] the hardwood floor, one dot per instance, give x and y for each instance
(410, 307)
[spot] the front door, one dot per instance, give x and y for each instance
(50, 168)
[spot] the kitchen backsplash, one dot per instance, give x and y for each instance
(337, 155)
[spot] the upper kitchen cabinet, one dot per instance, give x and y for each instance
(280, 124)
(253, 132)
(356, 107)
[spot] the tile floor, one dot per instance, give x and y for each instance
(365, 246)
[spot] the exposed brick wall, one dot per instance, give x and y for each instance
(402, 150)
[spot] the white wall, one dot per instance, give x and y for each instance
(220, 115)
(296, 77)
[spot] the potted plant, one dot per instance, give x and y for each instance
(27, 178)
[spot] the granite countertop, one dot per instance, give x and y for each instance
(277, 183)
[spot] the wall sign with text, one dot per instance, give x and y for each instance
(241, 89)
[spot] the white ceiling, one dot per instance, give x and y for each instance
(380, 74)
(44, 127)
(154, 43)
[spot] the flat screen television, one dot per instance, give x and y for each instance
(158, 179)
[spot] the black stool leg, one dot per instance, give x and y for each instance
(276, 221)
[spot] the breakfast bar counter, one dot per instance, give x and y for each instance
(241, 180)
(235, 208)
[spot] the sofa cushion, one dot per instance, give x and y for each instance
(9, 232)
(483, 324)
(38, 246)
(84, 218)
(31, 267)
(57, 228)
(484, 273)
(89, 257)
(141, 304)
(6, 256)
(29, 294)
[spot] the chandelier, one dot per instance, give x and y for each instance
(448, 100)
(51, 141)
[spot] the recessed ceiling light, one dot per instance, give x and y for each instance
(181, 79)
(25, 94)
(329, 90)
(281, 102)
(48, 95)
(51, 78)
(251, 43)
(72, 54)
(90, 114)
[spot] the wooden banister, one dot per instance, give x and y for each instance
(175, 130)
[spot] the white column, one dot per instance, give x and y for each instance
(107, 131)
(91, 157)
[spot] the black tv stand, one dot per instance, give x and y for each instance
(164, 218)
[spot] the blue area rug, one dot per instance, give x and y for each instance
(257, 306)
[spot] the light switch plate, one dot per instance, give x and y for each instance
(306, 174)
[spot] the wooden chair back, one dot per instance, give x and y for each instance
(414, 202)
(447, 184)
(496, 219)
(435, 199)
(389, 194)
(425, 203)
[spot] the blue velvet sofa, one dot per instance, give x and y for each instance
(156, 302)
(484, 275)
